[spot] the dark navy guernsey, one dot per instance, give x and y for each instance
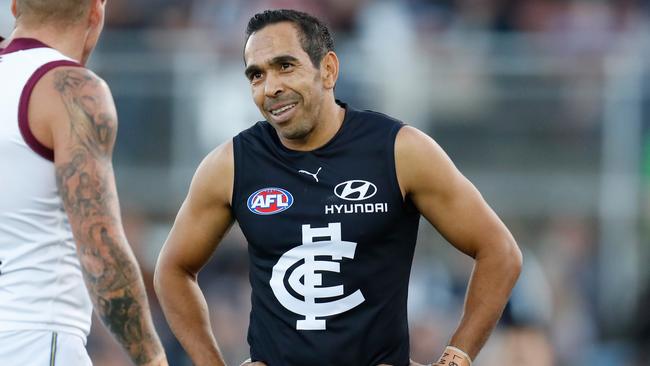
(331, 243)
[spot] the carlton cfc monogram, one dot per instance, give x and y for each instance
(310, 288)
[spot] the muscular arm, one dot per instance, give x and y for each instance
(453, 205)
(74, 110)
(202, 221)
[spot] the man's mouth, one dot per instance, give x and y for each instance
(280, 111)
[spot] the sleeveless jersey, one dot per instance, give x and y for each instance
(41, 284)
(330, 243)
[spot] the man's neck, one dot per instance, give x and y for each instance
(331, 119)
(69, 42)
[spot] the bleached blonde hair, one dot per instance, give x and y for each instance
(59, 12)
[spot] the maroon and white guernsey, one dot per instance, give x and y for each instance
(41, 284)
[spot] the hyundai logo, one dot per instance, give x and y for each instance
(355, 190)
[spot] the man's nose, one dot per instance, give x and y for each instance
(273, 86)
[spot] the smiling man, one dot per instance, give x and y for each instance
(329, 199)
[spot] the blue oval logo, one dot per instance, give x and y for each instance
(269, 201)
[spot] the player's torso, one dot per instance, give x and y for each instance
(25, 174)
(331, 244)
(41, 286)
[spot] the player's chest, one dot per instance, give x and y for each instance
(276, 212)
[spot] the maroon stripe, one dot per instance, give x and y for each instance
(21, 44)
(23, 108)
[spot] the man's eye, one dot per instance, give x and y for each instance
(256, 76)
(286, 66)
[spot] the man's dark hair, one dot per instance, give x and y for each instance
(315, 38)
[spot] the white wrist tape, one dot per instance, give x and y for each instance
(454, 357)
(461, 352)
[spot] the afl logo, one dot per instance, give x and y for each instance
(269, 201)
(355, 190)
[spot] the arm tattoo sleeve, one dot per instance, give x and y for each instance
(86, 185)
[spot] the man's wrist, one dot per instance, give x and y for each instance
(454, 356)
(161, 360)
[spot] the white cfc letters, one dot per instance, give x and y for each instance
(310, 287)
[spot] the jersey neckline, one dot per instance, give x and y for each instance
(346, 118)
(22, 44)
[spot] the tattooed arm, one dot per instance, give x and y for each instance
(72, 110)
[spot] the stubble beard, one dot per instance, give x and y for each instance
(299, 132)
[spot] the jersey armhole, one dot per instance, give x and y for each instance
(392, 168)
(23, 108)
(236, 152)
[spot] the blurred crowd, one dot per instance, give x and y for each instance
(553, 317)
(228, 16)
(526, 130)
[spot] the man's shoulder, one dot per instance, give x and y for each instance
(370, 125)
(258, 132)
(373, 117)
(256, 128)
(73, 81)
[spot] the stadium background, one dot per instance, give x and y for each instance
(543, 104)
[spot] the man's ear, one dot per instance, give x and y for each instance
(329, 70)
(96, 11)
(14, 8)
